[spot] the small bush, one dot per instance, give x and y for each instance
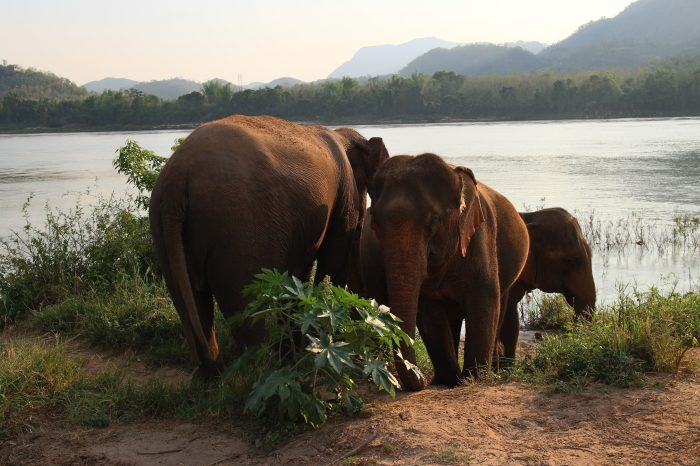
(548, 312)
(648, 332)
(320, 339)
(135, 315)
(39, 379)
(72, 252)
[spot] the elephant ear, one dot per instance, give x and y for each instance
(365, 156)
(471, 214)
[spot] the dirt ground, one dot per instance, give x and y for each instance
(473, 424)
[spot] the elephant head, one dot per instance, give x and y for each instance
(559, 260)
(424, 213)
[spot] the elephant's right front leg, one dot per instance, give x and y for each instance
(435, 328)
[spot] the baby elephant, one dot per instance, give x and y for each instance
(559, 261)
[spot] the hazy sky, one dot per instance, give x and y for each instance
(259, 39)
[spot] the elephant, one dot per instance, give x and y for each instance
(559, 261)
(246, 192)
(438, 247)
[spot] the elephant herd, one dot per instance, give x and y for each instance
(437, 246)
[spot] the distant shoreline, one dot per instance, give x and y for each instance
(338, 122)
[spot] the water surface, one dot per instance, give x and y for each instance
(614, 168)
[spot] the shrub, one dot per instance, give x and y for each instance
(141, 166)
(73, 252)
(638, 334)
(548, 312)
(344, 337)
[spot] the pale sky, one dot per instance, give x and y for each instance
(86, 40)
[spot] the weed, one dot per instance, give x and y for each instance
(450, 455)
(646, 332)
(547, 312)
(359, 461)
(73, 252)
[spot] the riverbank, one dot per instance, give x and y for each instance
(351, 122)
(478, 423)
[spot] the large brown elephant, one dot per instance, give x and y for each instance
(441, 248)
(559, 261)
(244, 193)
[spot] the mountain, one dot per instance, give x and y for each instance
(644, 31)
(33, 84)
(115, 84)
(169, 89)
(532, 46)
(475, 59)
(379, 60)
(284, 82)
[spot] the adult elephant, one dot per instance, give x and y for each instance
(242, 193)
(559, 261)
(441, 248)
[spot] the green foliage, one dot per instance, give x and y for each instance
(36, 85)
(548, 312)
(40, 378)
(670, 87)
(344, 337)
(646, 332)
(141, 166)
(135, 315)
(73, 252)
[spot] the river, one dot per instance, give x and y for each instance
(644, 169)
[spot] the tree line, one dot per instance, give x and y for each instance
(671, 88)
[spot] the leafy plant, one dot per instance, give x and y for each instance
(141, 166)
(320, 340)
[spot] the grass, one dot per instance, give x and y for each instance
(547, 312)
(647, 333)
(39, 380)
(605, 235)
(450, 455)
(72, 253)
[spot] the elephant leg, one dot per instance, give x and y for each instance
(436, 331)
(205, 308)
(510, 327)
(334, 257)
(481, 330)
(456, 327)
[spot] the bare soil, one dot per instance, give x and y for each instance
(473, 424)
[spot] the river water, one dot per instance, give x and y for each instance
(647, 169)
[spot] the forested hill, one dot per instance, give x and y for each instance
(645, 31)
(37, 85)
(475, 60)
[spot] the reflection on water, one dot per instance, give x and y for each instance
(615, 168)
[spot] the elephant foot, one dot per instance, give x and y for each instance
(446, 381)
(209, 372)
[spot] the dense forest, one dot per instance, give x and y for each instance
(670, 88)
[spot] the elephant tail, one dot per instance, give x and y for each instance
(167, 233)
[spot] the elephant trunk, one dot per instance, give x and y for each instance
(582, 288)
(404, 276)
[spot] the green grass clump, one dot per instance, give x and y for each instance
(648, 332)
(136, 315)
(72, 253)
(549, 312)
(40, 380)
